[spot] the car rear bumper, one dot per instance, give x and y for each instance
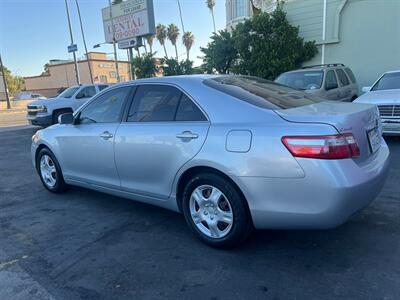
(40, 120)
(330, 193)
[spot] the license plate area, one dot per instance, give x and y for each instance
(374, 139)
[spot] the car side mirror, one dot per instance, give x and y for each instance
(67, 118)
(366, 89)
(331, 86)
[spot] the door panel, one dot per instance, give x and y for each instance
(87, 156)
(87, 147)
(148, 155)
(164, 130)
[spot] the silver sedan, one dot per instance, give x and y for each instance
(231, 153)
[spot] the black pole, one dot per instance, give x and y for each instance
(5, 84)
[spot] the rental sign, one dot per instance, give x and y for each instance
(128, 19)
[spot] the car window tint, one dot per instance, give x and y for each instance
(154, 103)
(102, 87)
(188, 111)
(350, 74)
(342, 77)
(107, 108)
(261, 92)
(330, 79)
(87, 92)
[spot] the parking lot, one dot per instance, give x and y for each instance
(87, 245)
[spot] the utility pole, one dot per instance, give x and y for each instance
(114, 45)
(323, 32)
(72, 42)
(5, 83)
(84, 41)
(180, 13)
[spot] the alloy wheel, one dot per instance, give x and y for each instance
(48, 171)
(211, 211)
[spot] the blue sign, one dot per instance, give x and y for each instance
(72, 48)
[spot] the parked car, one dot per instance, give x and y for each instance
(45, 112)
(385, 93)
(329, 81)
(28, 96)
(230, 152)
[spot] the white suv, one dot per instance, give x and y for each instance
(45, 112)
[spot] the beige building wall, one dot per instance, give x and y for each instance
(63, 75)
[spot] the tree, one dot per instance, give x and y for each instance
(46, 70)
(268, 45)
(15, 83)
(161, 34)
(220, 54)
(173, 34)
(149, 40)
(145, 66)
(173, 67)
(210, 5)
(188, 41)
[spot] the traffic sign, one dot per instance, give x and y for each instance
(131, 43)
(72, 48)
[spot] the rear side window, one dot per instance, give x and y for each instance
(350, 74)
(342, 77)
(261, 92)
(188, 111)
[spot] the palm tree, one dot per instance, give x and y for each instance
(188, 40)
(149, 40)
(210, 5)
(161, 34)
(173, 34)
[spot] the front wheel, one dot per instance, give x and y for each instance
(49, 171)
(216, 211)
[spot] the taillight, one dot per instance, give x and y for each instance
(338, 146)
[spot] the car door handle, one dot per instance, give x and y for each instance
(106, 135)
(187, 135)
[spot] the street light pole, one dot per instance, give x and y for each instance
(72, 42)
(84, 41)
(5, 83)
(114, 45)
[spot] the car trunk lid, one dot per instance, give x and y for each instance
(357, 119)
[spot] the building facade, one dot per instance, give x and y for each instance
(61, 74)
(362, 34)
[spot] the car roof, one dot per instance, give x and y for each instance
(170, 79)
(318, 68)
(394, 71)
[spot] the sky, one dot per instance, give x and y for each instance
(34, 31)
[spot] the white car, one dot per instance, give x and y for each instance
(385, 93)
(28, 96)
(45, 112)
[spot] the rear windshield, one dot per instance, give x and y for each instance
(261, 92)
(304, 80)
(389, 81)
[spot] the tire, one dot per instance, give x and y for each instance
(56, 114)
(50, 175)
(207, 222)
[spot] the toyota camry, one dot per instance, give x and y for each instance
(231, 153)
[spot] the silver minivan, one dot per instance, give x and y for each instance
(329, 81)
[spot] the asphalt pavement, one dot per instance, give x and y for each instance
(88, 245)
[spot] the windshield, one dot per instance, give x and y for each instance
(68, 93)
(307, 80)
(389, 81)
(261, 92)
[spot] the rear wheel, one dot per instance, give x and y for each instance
(216, 211)
(49, 171)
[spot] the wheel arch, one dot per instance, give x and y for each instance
(193, 171)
